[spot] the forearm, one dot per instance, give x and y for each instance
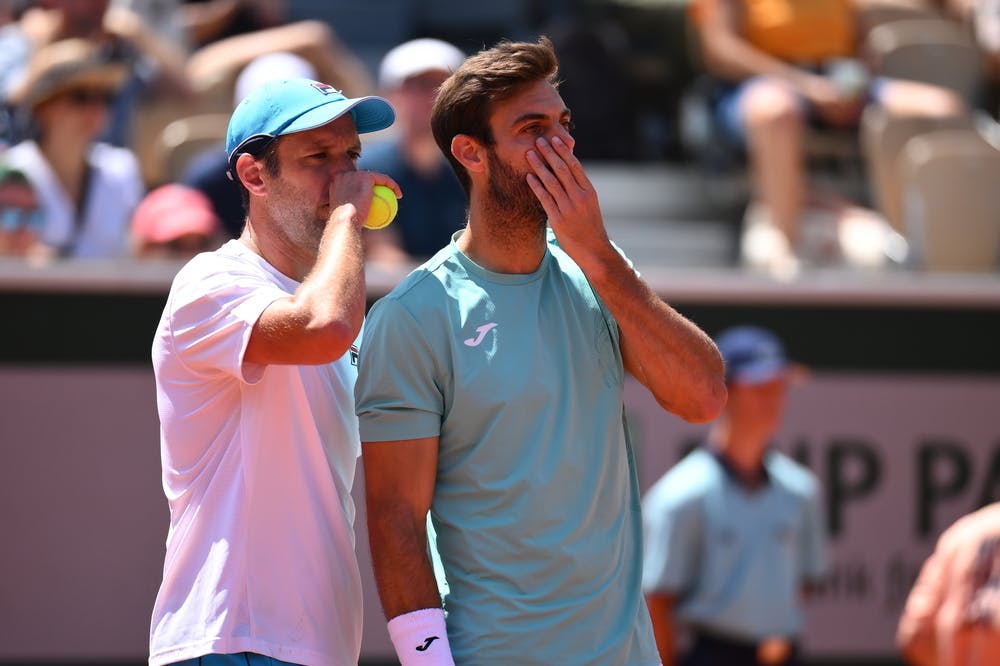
(403, 573)
(204, 22)
(666, 352)
(333, 293)
(661, 615)
(399, 484)
(168, 58)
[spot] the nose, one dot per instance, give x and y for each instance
(341, 165)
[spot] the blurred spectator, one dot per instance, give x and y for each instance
(174, 222)
(784, 66)
(15, 49)
(252, 28)
(164, 17)
(434, 204)
(983, 19)
(20, 217)
(208, 21)
(155, 65)
(208, 172)
(952, 616)
(87, 189)
(734, 533)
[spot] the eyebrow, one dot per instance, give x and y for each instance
(321, 144)
(533, 115)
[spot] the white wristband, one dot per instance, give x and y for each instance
(421, 639)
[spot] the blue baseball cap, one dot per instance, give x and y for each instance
(752, 355)
(285, 106)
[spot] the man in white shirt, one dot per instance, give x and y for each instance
(255, 366)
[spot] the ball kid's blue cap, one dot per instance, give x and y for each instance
(285, 106)
(752, 355)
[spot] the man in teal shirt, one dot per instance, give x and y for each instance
(490, 393)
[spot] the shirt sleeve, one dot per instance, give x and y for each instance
(212, 317)
(398, 394)
(671, 543)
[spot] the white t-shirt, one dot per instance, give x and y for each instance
(114, 190)
(258, 463)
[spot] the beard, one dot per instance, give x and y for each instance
(511, 200)
(302, 227)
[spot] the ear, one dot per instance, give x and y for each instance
(469, 152)
(250, 172)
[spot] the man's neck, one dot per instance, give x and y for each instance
(743, 453)
(272, 253)
(502, 245)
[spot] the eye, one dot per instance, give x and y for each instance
(569, 125)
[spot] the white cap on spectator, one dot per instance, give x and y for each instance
(271, 67)
(416, 57)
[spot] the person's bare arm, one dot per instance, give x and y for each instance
(729, 55)
(320, 321)
(915, 634)
(312, 40)
(169, 58)
(661, 613)
(399, 485)
(205, 21)
(666, 352)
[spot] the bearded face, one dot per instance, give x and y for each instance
(510, 196)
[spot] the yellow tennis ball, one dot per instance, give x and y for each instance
(383, 209)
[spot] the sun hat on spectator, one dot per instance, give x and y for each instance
(63, 66)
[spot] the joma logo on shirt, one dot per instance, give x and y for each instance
(482, 331)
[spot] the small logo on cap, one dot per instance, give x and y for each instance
(326, 89)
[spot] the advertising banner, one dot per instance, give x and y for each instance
(899, 457)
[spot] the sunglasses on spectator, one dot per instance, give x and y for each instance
(12, 219)
(89, 96)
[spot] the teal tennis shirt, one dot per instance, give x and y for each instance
(536, 505)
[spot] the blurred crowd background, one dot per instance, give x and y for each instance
(774, 138)
(859, 135)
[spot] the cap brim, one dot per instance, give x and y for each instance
(370, 113)
(760, 372)
(795, 373)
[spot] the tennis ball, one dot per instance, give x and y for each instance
(383, 209)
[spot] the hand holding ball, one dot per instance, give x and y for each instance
(383, 209)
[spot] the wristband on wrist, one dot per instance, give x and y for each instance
(420, 638)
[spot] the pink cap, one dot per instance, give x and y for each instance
(171, 211)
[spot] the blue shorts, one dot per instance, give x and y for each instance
(726, 101)
(237, 659)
